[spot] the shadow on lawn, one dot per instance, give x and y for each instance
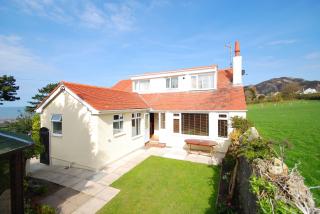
(214, 182)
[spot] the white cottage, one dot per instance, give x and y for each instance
(90, 126)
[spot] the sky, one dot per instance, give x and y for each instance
(102, 42)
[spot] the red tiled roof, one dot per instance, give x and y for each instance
(224, 78)
(123, 85)
(120, 97)
(102, 98)
(228, 98)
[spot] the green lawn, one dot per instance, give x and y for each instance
(161, 185)
(299, 123)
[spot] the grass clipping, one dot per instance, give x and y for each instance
(291, 188)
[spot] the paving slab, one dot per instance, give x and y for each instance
(88, 187)
(109, 179)
(92, 206)
(107, 194)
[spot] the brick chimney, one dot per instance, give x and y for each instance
(237, 65)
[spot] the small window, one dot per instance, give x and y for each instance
(172, 82)
(163, 120)
(117, 123)
(141, 85)
(194, 82)
(222, 116)
(136, 124)
(202, 81)
(176, 115)
(56, 120)
(222, 128)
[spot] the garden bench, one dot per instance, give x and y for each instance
(197, 142)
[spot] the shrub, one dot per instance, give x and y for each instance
(235, 135)
(241, 124)
(256, 148)
(46, 209)
(266, 194)
(37, 149)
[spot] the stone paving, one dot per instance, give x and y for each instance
(87, 191)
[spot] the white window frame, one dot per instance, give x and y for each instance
(136, 128)
(162, 120)
(197, 83)
(176, 116)
(58, 119)
(170, 86)
(228, 124)
(146, 121)
(120, 121)
(138, 83)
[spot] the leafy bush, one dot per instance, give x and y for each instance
(235, 135)
(46, 209)
(315, 96)
(37, 149)
(256, 148)
(240, 123)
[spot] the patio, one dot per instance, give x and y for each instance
(87, 191)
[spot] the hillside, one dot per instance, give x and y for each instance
(276, 84)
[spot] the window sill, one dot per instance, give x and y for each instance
(119, 134)
(56, 135)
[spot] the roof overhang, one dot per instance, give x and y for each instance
(62, 88)
(195, 111)
(122, 111)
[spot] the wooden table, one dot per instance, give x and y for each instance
(205, 143)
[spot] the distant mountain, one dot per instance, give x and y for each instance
(276, 84)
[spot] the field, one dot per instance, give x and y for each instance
(161, 185)
(299, 123)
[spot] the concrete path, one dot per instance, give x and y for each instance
(87, 191)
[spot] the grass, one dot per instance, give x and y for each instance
(299, 123)
(161, 185)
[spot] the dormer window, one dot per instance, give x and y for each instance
(141, 85)
(202, 81)
(172, 82)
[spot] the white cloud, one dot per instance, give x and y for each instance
(282, 42)
(16, 59)
(93, 17)
(118, 16)
(313, 55)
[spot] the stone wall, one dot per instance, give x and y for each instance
(247, 201)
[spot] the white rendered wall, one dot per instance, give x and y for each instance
(78, 144)
(176, 140)
(237, 70)
(158, 84)
(87, 140)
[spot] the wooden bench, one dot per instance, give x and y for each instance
(205, 143)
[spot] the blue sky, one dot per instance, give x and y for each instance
(101, 42)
